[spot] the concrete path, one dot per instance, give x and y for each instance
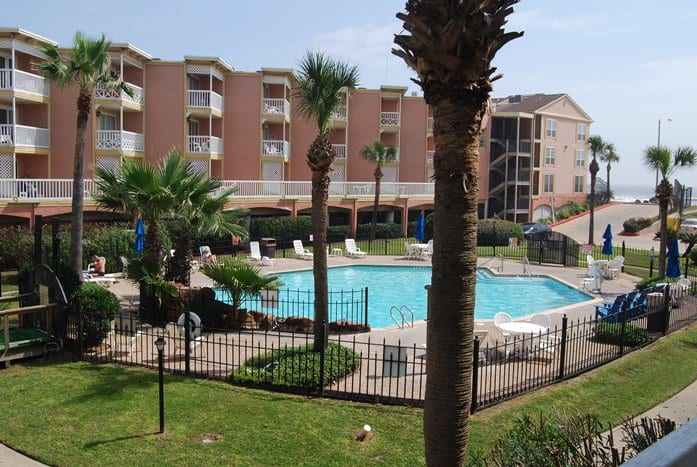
(11, 458)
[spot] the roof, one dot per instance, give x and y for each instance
(524, 103)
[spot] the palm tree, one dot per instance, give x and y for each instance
(87, 65)
(240, 279)
(320, 83)
(451, 46)
(378, 154)
(597, 147)
(609, 156)
(660, 158)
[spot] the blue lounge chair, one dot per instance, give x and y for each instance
(610, 313)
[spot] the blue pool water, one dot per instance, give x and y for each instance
(404, 285)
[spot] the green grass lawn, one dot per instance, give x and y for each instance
(81, 414)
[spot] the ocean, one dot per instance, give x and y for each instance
(631, 193)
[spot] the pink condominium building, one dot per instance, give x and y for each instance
(244, 128)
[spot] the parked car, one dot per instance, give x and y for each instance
(689, 225)
(536, 230)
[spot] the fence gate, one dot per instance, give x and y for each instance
(553, 248)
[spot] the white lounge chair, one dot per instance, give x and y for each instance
(300, 251)
(255, 255)
(352, 250)
(428, 252)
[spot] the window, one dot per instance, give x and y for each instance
(551, 128)
(581, 132)
(578, 183)
(6, 116)
(482, 139)
(580, 158)
(193, 127)
(549, 183)
(194, 83)
(550, 155)
(107, 122)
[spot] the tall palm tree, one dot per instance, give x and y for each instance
(660, 158)
(85, 66)
(378, 154)
(451, 46)
(320, 82)
(609, 156)
(597, 147)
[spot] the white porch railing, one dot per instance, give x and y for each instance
(205, 144)
(339, 150)
(340, 113)
(55, 189)
(389, 118)
(276, 106)
(124, 140)
(27, 136)
(27, 82)
(429, 156)
(276, 148)
(205, 99)
(138, 96)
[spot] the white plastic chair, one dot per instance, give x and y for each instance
(300, 251)
(254, 252)
(614, 268)
(352, 250)
(591, 264)
(541, 320)
(502, 317)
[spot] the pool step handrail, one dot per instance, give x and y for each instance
(401, 311)
(527, 270)
(489, 263)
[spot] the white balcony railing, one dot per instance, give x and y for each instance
(26, 136)
(61, 189)
(389, 118)
(205, 145)
(339, 150)
(138, 96)
(276, 148)
(123, 140)
(340, 113)
(429, 124)
(27, 82)
(429, 156)
(276, 106)
(205, 99)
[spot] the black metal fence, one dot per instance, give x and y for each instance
(358, 368)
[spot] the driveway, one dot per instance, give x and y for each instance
(615, 215)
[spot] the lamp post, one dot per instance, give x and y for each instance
(658, 143)
(160, 344)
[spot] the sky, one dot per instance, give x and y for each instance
(627, 63)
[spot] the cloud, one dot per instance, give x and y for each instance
(584, 24)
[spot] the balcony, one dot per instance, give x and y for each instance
(276, 148)
(120, 140)
(340, 116)
(389, 118)
(33, 87)
(205, 100)
(429, 156)
(205, 145)
(339, 150)
(24, 136)
(121, 97)
(276, 109)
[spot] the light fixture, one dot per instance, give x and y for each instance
(160, 344)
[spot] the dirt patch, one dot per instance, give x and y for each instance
(208, 438)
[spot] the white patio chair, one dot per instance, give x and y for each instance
(409, 251)
(300, 251)
(352, 251)
(541, 320)
(428, 252)
(614, 268)
(502, 317)
(591, 264)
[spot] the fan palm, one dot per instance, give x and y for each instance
(85, 66)
(378, 154)
(597, 147)
(660, 158)
(320, 83)
(451, 46)
(609, 156)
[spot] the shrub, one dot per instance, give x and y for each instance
(636, 224)
(337, 233)
(98, 307)
(611, 333)
(648, 282)
(298, 367)
(110, 241)
(381, 231)
(280, 227)
(494, 232)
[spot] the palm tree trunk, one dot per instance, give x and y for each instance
(457, 123)
(180, 263)
(607, 199)
(320, 216)
(664, 193)
(84, 105)
(376, 202)
(591, 205)
(153, 246)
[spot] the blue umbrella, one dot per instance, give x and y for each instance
(673, 266)
(421, 227)
(140, 235)
(607, 244)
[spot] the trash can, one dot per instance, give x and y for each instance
(658, 314)
(268, 247)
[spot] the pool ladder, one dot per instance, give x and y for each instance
(489, 263)
(401, 310)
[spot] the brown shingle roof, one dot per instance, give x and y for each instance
(524, 103)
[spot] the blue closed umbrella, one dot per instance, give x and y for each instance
(673, 266)
(421, 227)
(140, 235)
(607, 244)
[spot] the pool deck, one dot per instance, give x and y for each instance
(573, 276)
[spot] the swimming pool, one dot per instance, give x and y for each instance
(404, 285)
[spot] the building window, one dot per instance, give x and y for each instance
(580, 158)
(482, 139)
(551, 128)
(549, 184)
(550, 155)
(581, 132)
(578, 183)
